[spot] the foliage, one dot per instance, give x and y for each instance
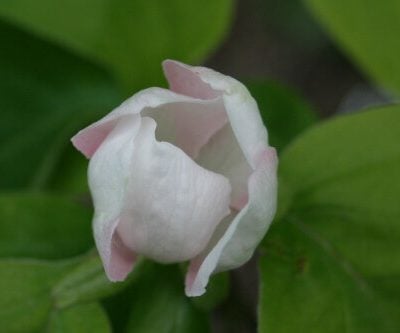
(332, 263)
(130, 38)
(367, 30)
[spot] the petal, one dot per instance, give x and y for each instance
(236, 238)
(117, 259)
(188, 125)
(223, 155)
(184, 79)
(240, 106)
(172, 205)
(235, 241)
(187, 122)
(108, 170)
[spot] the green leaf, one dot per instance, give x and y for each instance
(308, 287)
(46, 94)
(25, 300)
(333, 263)
(88, 282)
(51, 296)
(70, 174)
(160, 305)
(347, 170)
(43, 226)
(84, 318)
(284, 112)
(368, 31)
(129, 37)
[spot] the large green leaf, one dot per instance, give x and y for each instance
(32, 300)
(43, 226)
(333, 263)
(308, 287)
(45, 95)
(347, 171)
(87, 282)
(130, 37)
(84, 318)
(71, 174)
(25, 298)
(368, 30)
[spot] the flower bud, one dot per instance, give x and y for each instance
(181, 174)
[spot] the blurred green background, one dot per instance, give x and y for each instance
(331, 262)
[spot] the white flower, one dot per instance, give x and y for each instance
(181, 174)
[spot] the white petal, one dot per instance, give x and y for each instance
(222, 154)
(172, 205)
(109, 168)
(235, 241)
(188, 125)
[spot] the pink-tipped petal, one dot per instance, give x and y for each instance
(109, 167)
(117, 259)
(184, 79)
(89, 139)
(172, 205)
(241, 235)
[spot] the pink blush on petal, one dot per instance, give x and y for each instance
(122, 260)
(185, 81)
(88, 140)
(117, 259)
(240, 202)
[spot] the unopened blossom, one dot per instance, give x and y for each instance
(181, 174)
